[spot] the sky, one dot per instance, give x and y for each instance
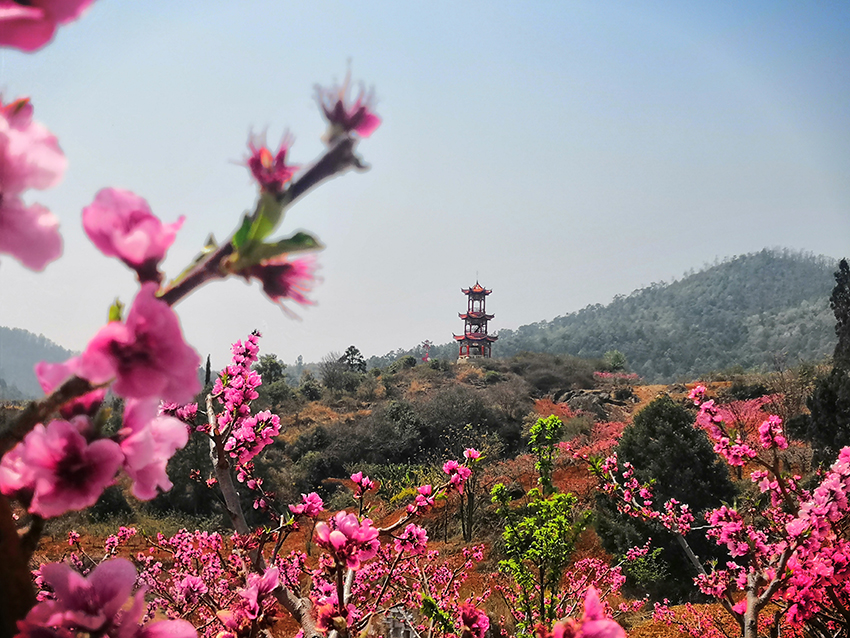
(560, 152)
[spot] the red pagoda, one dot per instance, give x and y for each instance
(475, 342)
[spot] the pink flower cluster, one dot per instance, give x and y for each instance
(64, 466)
(474, 622)
(593, 624)
(349, 540)
(311, 505)
(270, 170)
(771, 433)
(413, 540)
(458, 474)
(424, 500)
(343, 115)
(30, 157)
(362, 484)
(636, 499)
(245, 434)
(100, 604)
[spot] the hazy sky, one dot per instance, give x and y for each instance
(562, 151)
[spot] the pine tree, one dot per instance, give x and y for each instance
(839, 301)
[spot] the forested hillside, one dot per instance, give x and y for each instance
(20, 350)
(744, 311)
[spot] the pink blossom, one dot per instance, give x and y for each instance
(594, 623)
(270, 170)
(471, 454)
(424, 499)
(30, 157)
(258, 588)
(413, 539)
(770, 433)
(150, 441)
(59, 468)
(473, 621)
(28, 26)
(348, 539)
(30, 234)
(52, 375)
(311, 505)
(345, 116)
(96, 605)
(362, 484)
(458, 474)
(121, 224)
(283, 279)
(146, 355)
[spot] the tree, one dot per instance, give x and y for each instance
(353, 360)
(839, 301)
(614, 360)
(270, 368)
(827, 427)
(663, 446)
(539, 536)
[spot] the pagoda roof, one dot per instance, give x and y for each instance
(475, 315)
(477, 289)
(475, 336)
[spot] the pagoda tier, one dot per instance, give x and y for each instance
(475, 336)
(475, 342)
(477, 289)
(475, 316)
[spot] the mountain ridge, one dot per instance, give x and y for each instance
(747, 310)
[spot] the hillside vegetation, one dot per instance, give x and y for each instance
(20, 350)
(745, 311)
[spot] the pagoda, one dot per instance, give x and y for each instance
(475, 342)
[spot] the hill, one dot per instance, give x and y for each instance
(20, 350)
(746, 311)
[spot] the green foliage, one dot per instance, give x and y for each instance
(839, 301)
(544, 435)
(827, 427)
(441, 618)
(310, 388)
(645, 572)
(405, 362)
(353, 360)
(663, 446)
(539, 536)
(614, 360)
(270, 368)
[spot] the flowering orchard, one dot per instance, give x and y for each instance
(789, 555)
(57, 456)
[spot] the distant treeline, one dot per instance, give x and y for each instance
(745, 311)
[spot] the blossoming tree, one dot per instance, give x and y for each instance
(790, 557)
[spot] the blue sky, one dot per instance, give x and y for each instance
(564, 152)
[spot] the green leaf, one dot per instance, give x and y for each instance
(242, 234)
(116, 310)
(432, 611)
(266, 217)
(254, 253)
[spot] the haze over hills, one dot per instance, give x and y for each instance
(20, 350)
(746, 310)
